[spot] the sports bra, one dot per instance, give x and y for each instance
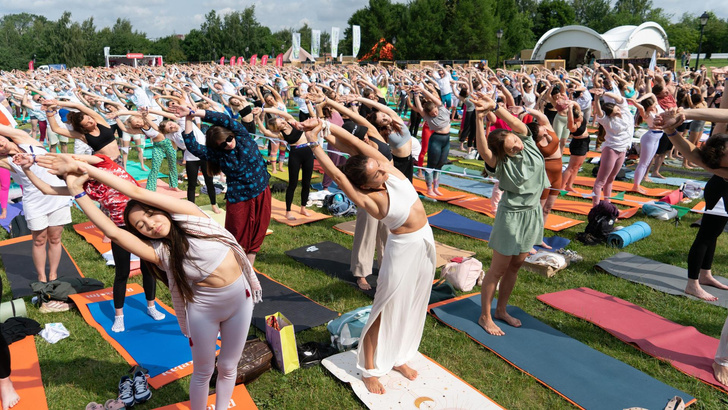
(398, 139)
(105, 137)
(245, 111)
(293, 137)
(402, 195)
(552, 146)
(579, 131)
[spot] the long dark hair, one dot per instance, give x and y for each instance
(496, 143)
(355, 170)
(384, 130)
(75, 118)
(713, 150)
(213, 137)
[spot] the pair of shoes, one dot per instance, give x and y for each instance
(570, 256)
(134, 389)
(53, 306)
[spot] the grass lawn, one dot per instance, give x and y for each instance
(84, 368)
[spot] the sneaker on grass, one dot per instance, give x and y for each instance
(126, 391)
(141, 388)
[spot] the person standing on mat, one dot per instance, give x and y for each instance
(437, 117)
(393, 332)
(514, 159)
(230, 149)
(112, 203)
(211, 281)
(45, 215)
(8, 395)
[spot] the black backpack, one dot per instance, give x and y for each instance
(19, 227)
(621, 175)
(601, 220)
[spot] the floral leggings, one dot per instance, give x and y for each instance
(160, 150)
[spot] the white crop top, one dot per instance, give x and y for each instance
(402, 195)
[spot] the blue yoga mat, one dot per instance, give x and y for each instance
(629, 234)
(156, 345)
(454, 222)
(333, 188)
(135, 170)
(586, 377)
(468, 185)
(672, 181)
(13, 211)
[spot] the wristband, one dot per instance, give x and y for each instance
(673, 134)
(308, 144)
(191, 112)
(82, 194)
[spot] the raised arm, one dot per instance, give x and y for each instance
(18, 136)
(481, 107)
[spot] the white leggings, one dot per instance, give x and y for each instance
(648, 147)
(226, 310)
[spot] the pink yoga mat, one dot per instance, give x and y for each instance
(683, 347)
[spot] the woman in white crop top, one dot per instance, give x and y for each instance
(394, 330)
(210, 294)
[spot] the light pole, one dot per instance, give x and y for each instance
(703, 22)
(394, 43)
(498, 34)
(247, 54)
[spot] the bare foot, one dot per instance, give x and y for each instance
(305, 212)
(437, 192)
(720, 373)
(543, 245)
(656, 175)
(176, 189)
(638, 189)
(647, 179)
(569, 188)
(4, 214)
(507, 318)
(694, 289)
(216, 209)
(8, 394)
(144, 168)
(52, 276)
(406, 371)
(289, 216)
(489, 325)
(420, 174)
(373, 385)
(431, 193)
(709, 280)
(533, 251)
(363, 284)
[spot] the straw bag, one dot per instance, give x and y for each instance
(463, 273)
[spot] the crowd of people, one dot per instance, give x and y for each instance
(519, 122)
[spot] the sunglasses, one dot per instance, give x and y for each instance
(225, 143)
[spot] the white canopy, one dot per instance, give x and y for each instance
(303, 55)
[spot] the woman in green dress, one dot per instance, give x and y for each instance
(513, 158)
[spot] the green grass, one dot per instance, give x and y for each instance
(84, 368)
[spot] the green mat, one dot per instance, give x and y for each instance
(135, 170)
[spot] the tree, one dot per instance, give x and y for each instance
(552, 14)
(591, 13)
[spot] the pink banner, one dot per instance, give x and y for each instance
(222, 60)
(240, 60)
(279, 60)
(30, 65)
(264, 60)
(253, 59)
(159, 61)
(232, 60)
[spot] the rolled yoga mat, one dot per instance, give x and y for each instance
(13, 308)
(629, 234)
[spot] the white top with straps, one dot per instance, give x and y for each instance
(402, 195)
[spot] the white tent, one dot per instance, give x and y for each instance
(572, 42)
(303, 55)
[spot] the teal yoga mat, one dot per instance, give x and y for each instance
(584, 376)
(135, 170)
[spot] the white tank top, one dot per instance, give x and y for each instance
(402, 195)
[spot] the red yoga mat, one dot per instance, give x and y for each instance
(683, 347)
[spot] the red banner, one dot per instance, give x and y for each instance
(159, 61)
(232, 60)
(30, 65)
(240, 60)
(135, 55)
(253, 59)
(279, 60)
(222, 60)
(264, 60)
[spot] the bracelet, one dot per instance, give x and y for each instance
(308, 144)
(191, 112)
(673, 134)
(82, 194)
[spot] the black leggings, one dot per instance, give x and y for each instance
(414, 125)
(405, 165)
(703, 249)
(193, 168)
(437, 150)
(122, 262)
(116, 130)
(4, 352)
(298, 159)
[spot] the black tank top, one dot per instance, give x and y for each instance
(579, 131)
(105, 137)
(293, 137)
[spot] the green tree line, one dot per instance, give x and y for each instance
(419, 29)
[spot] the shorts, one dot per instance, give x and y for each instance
(664, 146)
(447, 100)
(139, 139)
(697, 126)
(683, 127)
(554, 173)
(54, 138)
(579, 146)
(248, 220)
(59, 217)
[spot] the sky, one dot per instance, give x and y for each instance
(159, 18)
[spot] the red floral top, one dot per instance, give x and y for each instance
(112, 201)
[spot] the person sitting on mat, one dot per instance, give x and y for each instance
(211, 281)
(514, 159)
(45, 215)
(112, 203)
(393, 332)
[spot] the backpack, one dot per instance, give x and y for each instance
(346, 329)
(339, 204)
(660, 210)
(19, 226)
(601, 221)
(692, 190)
(463, 273)
(621, 175)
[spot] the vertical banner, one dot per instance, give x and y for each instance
(264, 59)
(279, 60)
(253, 59)
(30, 65)
(334, 42)
(315, 43)
(296, 41)
(653, 60)
(356, 40)
(240, 60)
(232, 60)
(222, 60)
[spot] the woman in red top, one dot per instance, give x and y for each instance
(112, 204)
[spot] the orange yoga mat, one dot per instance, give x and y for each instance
(278, 213)
(241, 400)
(95, 237)
(623, 186)
(629, 200)
(482, 205)
(446, 196)
(25, 374)
(589, 154)
(583, 208)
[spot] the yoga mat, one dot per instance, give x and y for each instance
(447, 195)
(303, 312)
(444, 252)
(473, 162)
(95, 238)
(623, 186)
(135, 170)
(26, 377)
(219, 218)
(164, 188)
(589, 154)
(686, 349)
(17, 258)
(626, 199)
(464, 171)
(629, 234)
(333, 188)
(657, 275)
(476, 187)
(583, 208)
(584, 376)
(434, 388)
(334, 260)
(13, 210)
(672, 181)
(278, 213)
(241, 400)
(483, 205)
(157, 345)
(456, 223)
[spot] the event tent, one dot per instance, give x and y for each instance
(303, 55)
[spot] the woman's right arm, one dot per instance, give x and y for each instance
(481, 107)
(18, 136)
